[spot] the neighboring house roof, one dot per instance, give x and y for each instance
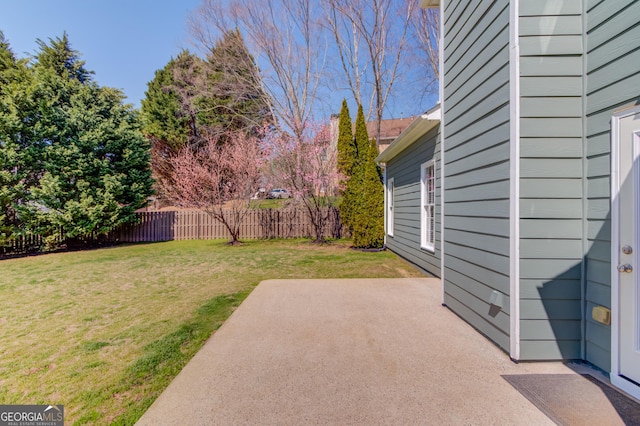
(411, 133)
(389, 129)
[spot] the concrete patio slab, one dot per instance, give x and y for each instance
(348, 352)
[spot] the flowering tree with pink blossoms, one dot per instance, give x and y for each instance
(307, 166)
(218, 178)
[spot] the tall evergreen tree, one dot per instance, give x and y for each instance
(220, 94)
(352, 197)
(346, 145)
(167, 127)
(81, 162)
(234, 98)
(369, 225)
(192, 100)
(362, 207)
(96, 174)
(187, 74)
(7, 58)
(162, 118)
(58, 56)
(10, 188)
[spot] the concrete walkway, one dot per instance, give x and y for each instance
(348, 352)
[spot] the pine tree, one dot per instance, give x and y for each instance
(192, 100)
(7, 58)
(234, 99)
(59, 57)
(346, 145)
(346, 153)
(187, 76)
(362, 207)
(162, 118)
(217, 95)
(352, 198)
(369, 226)
(10, 188)
(167, 127)
(85, 163)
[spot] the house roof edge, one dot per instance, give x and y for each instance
(420, 126)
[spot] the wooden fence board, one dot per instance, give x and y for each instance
(193, 225)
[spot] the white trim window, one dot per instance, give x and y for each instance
(428, 205)
(390, 201)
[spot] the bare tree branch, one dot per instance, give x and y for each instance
(381, 26)
(283, 35)
(425, 33)
(308, 168)
(218, 178)
(374, 43)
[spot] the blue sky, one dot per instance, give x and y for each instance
(123, 41)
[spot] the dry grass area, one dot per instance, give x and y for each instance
(104, 331)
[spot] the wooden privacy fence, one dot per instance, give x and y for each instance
(22, 244)
(197, 225)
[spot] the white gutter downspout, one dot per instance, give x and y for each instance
(386, 219)
(514, 179)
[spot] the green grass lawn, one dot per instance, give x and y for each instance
(271, 203)
(280, 203)
(104, 331)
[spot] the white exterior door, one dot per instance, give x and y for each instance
(626, 249)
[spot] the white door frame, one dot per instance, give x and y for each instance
(615, 377)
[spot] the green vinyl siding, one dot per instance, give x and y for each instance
(578, 65)
(561, 147)
(554, 106)
(476, 107)
(549, 349)
(558, 289)
(551, 24)
(404, 168)
(612, 83)
(560, 8)
(551, 171)
(548, 45)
